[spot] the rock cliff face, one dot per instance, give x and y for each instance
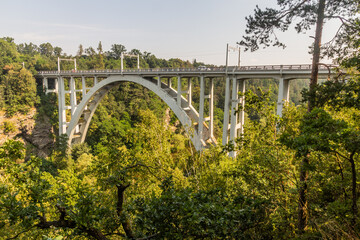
(34, 130)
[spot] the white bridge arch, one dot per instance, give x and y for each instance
(80, 120)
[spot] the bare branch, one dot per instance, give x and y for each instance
(63, 223)
(335, 36)
(341, 155)
(342, 19)
(149, 168)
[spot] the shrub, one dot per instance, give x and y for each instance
(9, 127)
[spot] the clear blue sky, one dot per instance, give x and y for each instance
(187, 29)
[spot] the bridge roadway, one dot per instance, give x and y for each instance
(74, 119)
(264, 71)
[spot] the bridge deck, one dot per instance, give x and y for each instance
(244, 71)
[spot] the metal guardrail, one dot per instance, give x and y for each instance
(197, 70)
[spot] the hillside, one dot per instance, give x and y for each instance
(137, 178)
(31, 129)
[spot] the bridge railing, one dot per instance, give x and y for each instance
(196, 70)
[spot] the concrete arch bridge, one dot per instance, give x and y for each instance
(198, 124)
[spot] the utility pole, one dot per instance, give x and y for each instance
(227, 57)
(65, 59)
(129, 55)
(122, 62)
(228, 48)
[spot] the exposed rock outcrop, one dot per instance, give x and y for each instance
(35, 131)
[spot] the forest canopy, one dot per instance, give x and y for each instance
(138, 176)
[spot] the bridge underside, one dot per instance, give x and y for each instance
(198, 127)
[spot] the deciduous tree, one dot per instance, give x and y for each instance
(19, 89)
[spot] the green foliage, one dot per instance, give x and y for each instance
(137, 178)
(59, 157)
(11, 151)
(337, 93)
(330, 141)
(261, 30)
(8, 127)
(49, 107)
(79, 149)
(187, 214)
(255, 103)
(8, 53)
(109, 132)
(318, 132)
(19, 90)
(116, 51)
(46, 49)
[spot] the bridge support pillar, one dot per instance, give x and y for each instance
(211, 109)
(234, 109)
(226, 112)
(84, 89)
(159, 81)
(178, 98)
(83, 85)
(201, 109)
(72, 95)
(73, 101)
(241, 118)
(62, 112)
(283, 95)
(169, 82)
(56, 85)
(237, 117)
(236, 126)
(189, 94)
(45, 85)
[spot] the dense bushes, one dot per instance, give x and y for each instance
(19, 88)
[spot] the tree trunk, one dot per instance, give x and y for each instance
(67, 223)
(303, 203)
(316, 53)
(119, 208)
(354, 208)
